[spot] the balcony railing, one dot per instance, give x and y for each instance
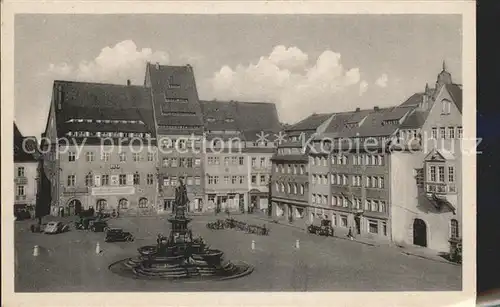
(20, 197)
(21, 180)
(438, 188)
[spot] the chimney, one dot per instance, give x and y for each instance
(188, 66)
(157, 65)
(128, 82)
(358, 109)
(376, 108)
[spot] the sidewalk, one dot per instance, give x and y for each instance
(410, 250)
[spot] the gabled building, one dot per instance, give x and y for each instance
(26, 175)
(427, 208)
(99, 143)
(178, 122)
(238, 154)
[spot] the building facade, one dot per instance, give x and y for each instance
(179, 126)
(100, 149)
(25, 172)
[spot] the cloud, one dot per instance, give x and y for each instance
(382, 80)
(286, 77)
(113, 64)
(363, 87)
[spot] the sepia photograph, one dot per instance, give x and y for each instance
(224, 152)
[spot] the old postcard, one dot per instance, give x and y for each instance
(234, 153)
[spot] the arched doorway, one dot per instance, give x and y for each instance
(419, 233)
(123, 204)
(74, 207)
(101, 205)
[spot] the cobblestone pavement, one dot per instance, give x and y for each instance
(68, 262)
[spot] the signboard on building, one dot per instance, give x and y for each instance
(102, 191)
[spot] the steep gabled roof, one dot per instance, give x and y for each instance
(455, 91)
(23, 152)
(249, 118)
(413, 100)
(415, 120)
(99, 101)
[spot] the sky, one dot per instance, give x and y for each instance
(303, 63)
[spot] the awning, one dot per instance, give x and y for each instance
(439, 202)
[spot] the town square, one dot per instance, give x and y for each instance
(297, 162)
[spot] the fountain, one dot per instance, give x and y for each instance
(180, 256)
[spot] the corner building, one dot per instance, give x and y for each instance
(99, 143)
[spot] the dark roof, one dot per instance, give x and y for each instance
(249, 118)
(22, 153)
(455, 91)
(297, 158)
(415, 119)
(174, 82)
(414, 100)
(311, 122)
(98, 101)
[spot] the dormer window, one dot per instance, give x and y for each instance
(229, 120)
(445, 106)
(210, 119)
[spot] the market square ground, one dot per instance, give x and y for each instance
(68, 262)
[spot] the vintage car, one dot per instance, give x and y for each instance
(118, 235)
(98, 225)
(55, 227)
(325, 229)
(84, 223)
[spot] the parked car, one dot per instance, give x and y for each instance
(98, 225)
(55, 227)
(22, 215)
(118, 235)
(325, 229)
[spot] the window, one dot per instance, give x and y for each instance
(89, 156)
(89, 180)
(368, 204)
(226, 161)
(242, 179)
(197, 180)
(288, 188)
(459, 132)
(234, 179)
(226, 180)
(166, 162)
(123, 157)
(372, 226)
(380, 182)
(105, 156)
(419, 176)
(211, 179)
(166, 181)
(173, 181)
(151, 156)
(295, 188)
(380, 160)
(343, 220)
(313, 179)
(182, 162)
(451, 132)
(122, 179)
(173, 162)
(433, 173)
(234, 160)
(451, 174)
(189, 162)
(262, 162)
(20, 171)
(375, 206)
(442, 132)
(454, 234)
(20, 190)
(150, 179)
(197, 161)
(301, 189)
(254, 179)
(384, 228)
(434, 133)
(254, 162)
(137, 179)
(381, 207)
(123, 203)
(71, 156)
(241, 160)
(105, 180)
(302, 169)
(441, 173)
(143, 203)
(263, 181)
